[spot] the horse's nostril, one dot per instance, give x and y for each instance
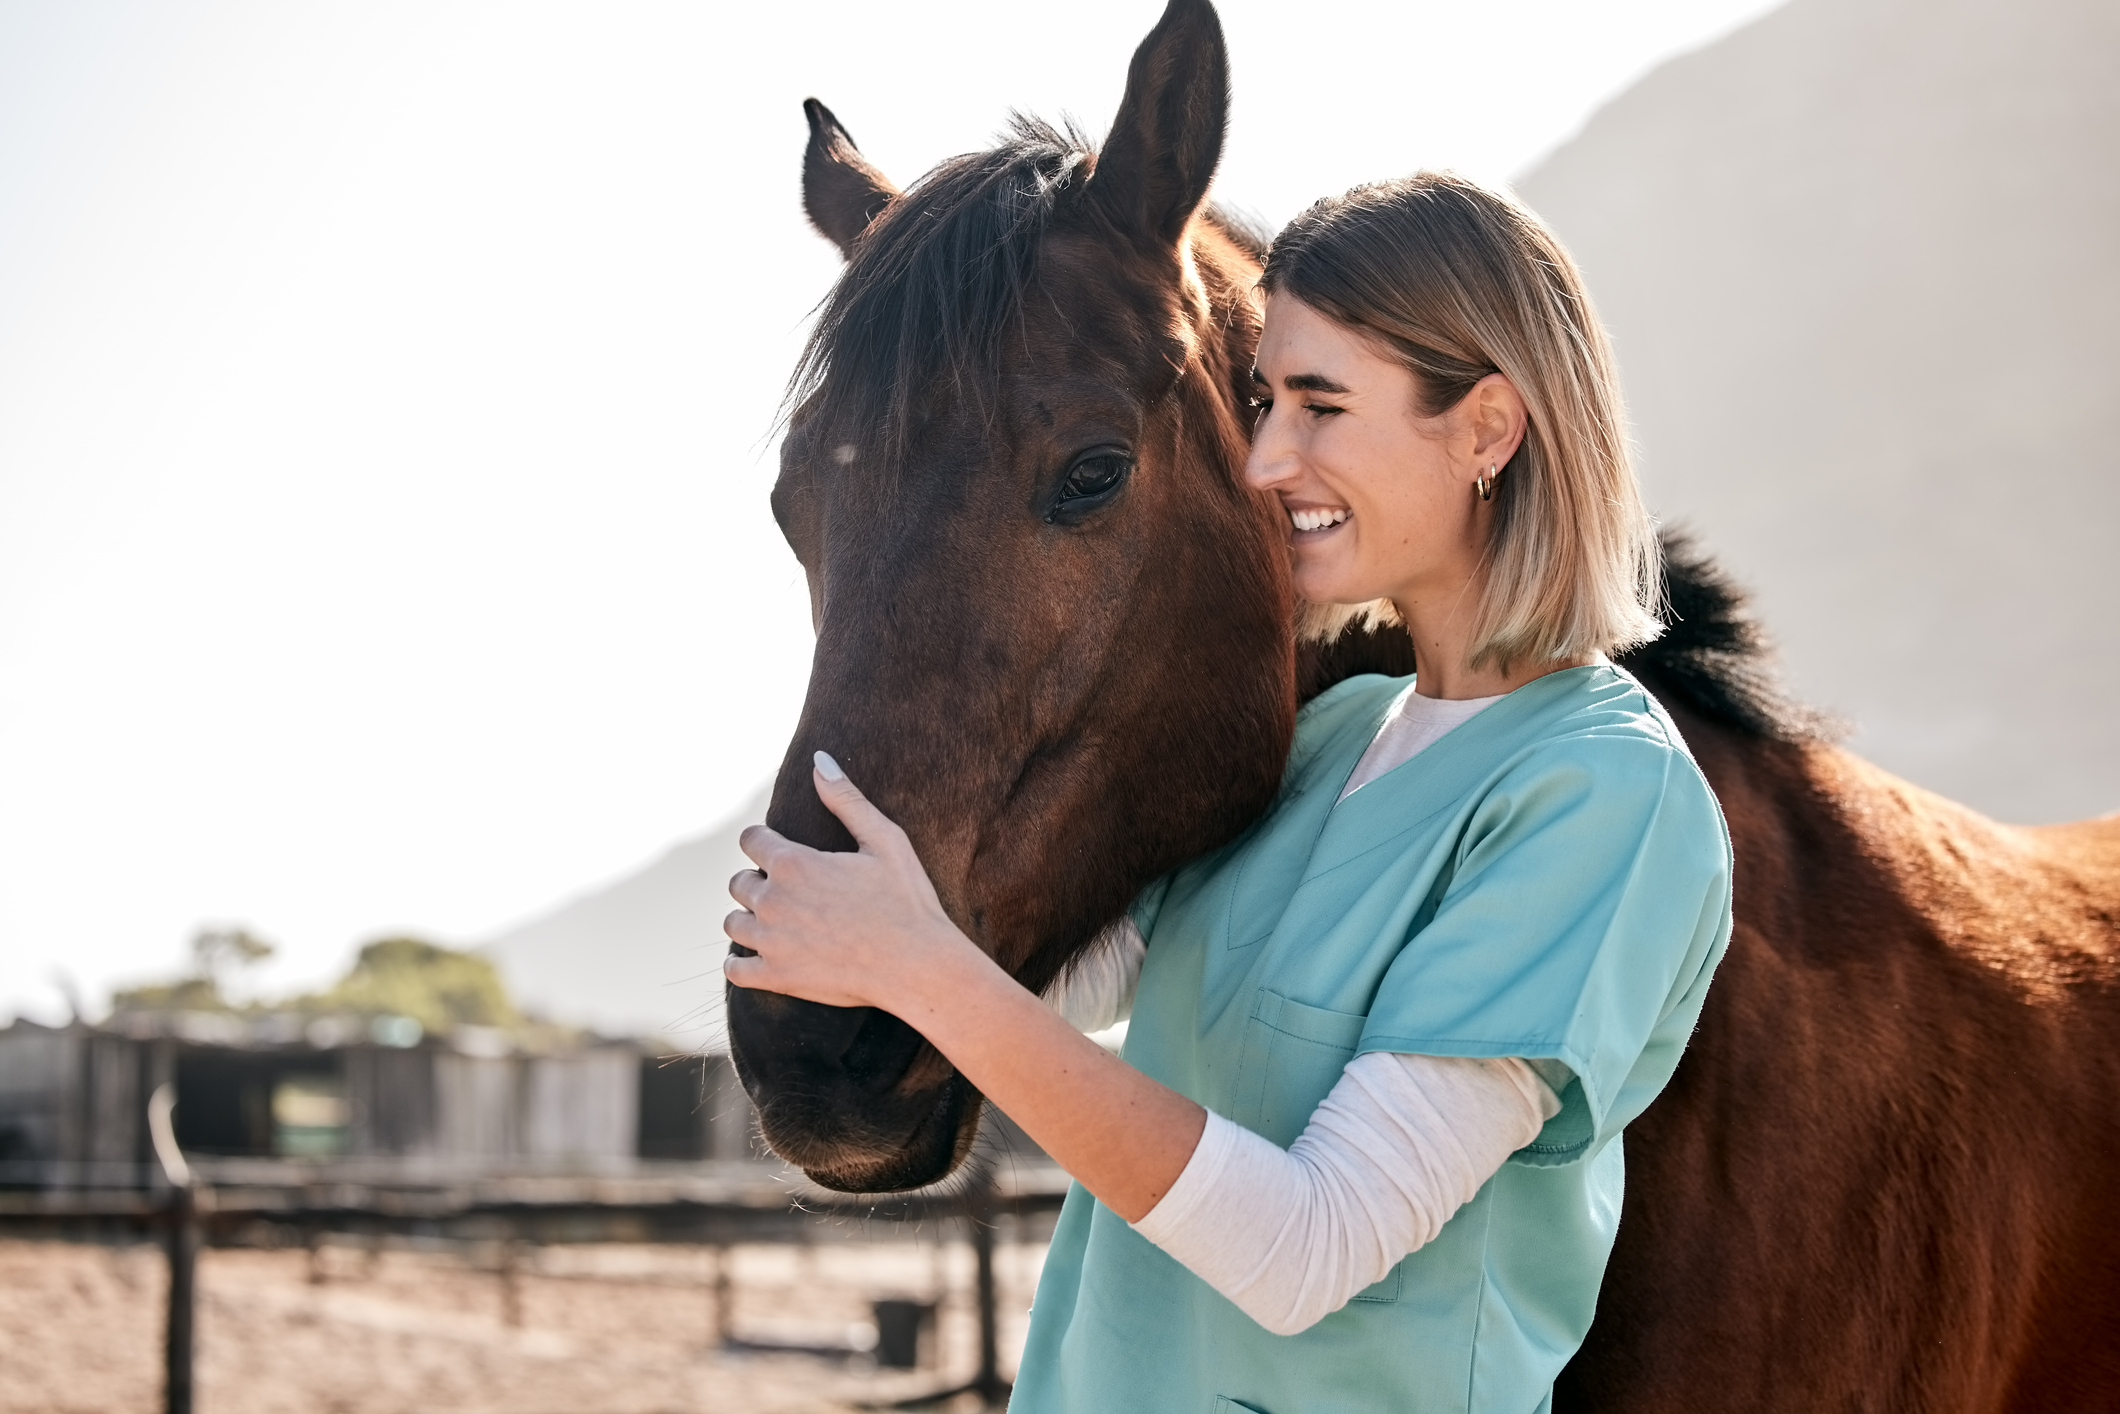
(881, 1050)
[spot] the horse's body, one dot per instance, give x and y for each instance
(1886, 1175)
(1883, 1176)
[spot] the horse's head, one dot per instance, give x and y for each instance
(1052, 625)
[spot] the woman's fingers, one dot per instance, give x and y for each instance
(873, 830)
(835, 927)
(763, 845)
(740, 970)
(764, 960)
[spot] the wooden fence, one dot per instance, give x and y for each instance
(717, 1204)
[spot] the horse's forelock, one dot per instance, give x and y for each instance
(934, 286)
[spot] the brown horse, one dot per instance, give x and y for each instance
(1055, 642)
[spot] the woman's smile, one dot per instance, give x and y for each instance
(1316, 522)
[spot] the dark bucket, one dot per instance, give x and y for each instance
(898, 1329)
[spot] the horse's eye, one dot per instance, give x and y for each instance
(1092, 479)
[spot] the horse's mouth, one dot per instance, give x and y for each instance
(939, 1141)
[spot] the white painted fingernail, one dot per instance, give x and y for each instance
(828, 768)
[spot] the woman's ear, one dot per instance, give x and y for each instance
(1496, 420)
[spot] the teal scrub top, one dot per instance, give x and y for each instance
(1550, 880)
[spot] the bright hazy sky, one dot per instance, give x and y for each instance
(385, 399)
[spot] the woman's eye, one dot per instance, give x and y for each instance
(1322, 409)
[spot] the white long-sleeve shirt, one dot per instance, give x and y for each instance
(1400, 1144)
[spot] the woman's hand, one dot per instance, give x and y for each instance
(866, 929)
(863, 929)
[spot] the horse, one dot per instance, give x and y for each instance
(1056, 641)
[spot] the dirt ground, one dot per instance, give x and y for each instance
(576, 1330)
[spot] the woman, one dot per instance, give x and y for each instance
(1362, 1151)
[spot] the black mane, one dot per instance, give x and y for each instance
(933, 286)
(1714, 657)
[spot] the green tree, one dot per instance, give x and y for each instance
(215, 952)
(436, 986)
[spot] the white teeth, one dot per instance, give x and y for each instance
(1317, 519)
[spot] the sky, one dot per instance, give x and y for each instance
(387, 396)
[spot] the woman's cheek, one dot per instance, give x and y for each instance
(1326, 574)
(1309, 583)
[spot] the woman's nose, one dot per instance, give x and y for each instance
(1272, 461)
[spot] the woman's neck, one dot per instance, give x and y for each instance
(1442, 647)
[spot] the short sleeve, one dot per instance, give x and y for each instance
(1587, 904)
(1148, 906)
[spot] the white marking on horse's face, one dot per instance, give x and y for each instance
(843, 454)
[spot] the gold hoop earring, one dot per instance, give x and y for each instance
(1485, 484)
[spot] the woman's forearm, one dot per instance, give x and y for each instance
(1123, 1136)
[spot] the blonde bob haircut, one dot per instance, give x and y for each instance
(1457, 282)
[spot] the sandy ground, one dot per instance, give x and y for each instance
(586, 1330)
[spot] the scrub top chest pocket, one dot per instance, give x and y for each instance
(1293, 1055)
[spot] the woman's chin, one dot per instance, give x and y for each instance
(1331, 584)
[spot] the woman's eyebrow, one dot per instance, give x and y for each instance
(1302, 382)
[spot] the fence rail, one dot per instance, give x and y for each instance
(719, 1205)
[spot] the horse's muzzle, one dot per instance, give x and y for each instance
(852, 1095)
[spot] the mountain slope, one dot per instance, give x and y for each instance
(1859, 260)
(641, 955)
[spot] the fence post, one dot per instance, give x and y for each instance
(979, 1213)
(180, 1332)
(979, 1209)
(183, 1299)
(512, 1281)
(724, 1298)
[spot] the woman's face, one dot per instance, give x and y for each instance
(1381, 499)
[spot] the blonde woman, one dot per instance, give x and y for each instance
(1502, 883)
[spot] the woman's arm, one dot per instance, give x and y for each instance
(1402, 1142)
(866, 929)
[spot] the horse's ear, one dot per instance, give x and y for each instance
(841, 191)
(1156, 165)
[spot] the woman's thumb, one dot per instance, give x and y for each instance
(869, 826)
